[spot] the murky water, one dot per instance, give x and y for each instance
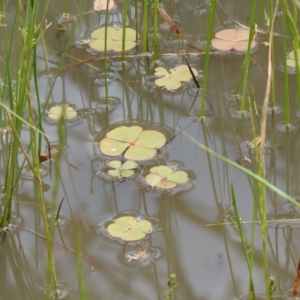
(186, 237)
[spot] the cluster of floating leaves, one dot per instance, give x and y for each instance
(114, 39)
(172, 81)
(232, 39)
(133, 142)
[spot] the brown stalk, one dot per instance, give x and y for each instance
(168, 20)
(297, 281)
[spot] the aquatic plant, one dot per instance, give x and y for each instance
(114, 38)
(122, 170)
(166, 178)
(129, 229)
(136, 143)
(172, 81)
(232, 39)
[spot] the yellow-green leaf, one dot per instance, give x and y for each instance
(172, 81)
(112, 147)
(129, 229)
(114, 39)
(141, 145)
(164, 177)
(65, 112)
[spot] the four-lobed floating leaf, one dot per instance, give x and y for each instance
(65, 112)
(129, 229)
(136, 143)
(291, 61)
(122, 170)
(232, 39)
(164, 177)
(114, 39)
(172, 81)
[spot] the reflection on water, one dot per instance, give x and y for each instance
(194, 232)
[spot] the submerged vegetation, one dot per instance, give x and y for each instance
(143, 56)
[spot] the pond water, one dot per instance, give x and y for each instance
(187, 236)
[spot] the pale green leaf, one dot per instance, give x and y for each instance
(99, 33)
(173, 84)
(117, 46)
(65, 112)
(127, 134)
(178, 177)
(162, 81)
(172, 81)
(129, 229)
(115, 173)
(139, 153)
(165, 178)
(151, 139)
(126, 173)
(291, 61)
(142, 144)
(129, 165)
(99, 45)
(114, 39)
(153, 179)
(159, 71)
(162, 171)
(116, 164)
(112, 147)
(130, 35)
(166, 184)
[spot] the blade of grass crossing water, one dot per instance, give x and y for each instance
(145, 26)
(207, 49)
(286, 81)
(125, 10)
(249, 261)
(155, 32)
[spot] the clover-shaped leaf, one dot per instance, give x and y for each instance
(122, 170)
(165, 178)
(65, 112)
(129, 229)
(291, 61)
(114, 39)
(172, 81)
(138, 145)
(232, 39)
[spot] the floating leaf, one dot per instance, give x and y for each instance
(232, 39)
(65, 112)
(129, 229)
(114, 39)
(122, 170)
(165, 178)
(291, 61)
(140, 145)
(102, 4)
(173, 81)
